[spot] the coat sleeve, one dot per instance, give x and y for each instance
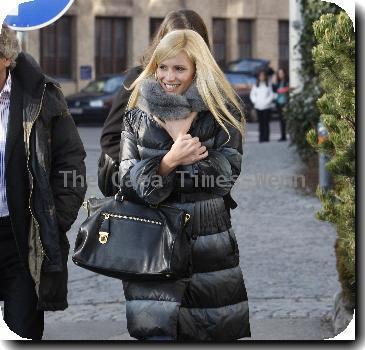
(110, 134)
(108, 163)
(68, 172)
(138, 178)
(218, 172)
(253, 95)
(270, 96)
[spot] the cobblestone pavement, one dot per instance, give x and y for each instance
(287, 256)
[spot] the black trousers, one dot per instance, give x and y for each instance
(17, 289)
(264, 124)
(282, 121)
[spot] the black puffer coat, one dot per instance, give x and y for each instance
(212, 305)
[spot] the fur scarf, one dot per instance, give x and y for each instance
(154, 100)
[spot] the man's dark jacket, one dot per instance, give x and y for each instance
(44, 159)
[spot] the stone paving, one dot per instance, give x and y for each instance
(287, 256)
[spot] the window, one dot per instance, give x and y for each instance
(110, 45)
(154, 26)
(56, 48)
(245, 38)
(284, 45)
(219, 41)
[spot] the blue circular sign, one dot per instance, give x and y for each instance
(35, 14)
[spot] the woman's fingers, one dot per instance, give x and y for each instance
(203, 155)
(193, 158)
(195, 142)
(199, 157)
(202, 149)
(185, 136)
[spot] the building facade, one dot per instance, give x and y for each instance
(97, 37)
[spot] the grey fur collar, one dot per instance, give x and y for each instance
(154, 100)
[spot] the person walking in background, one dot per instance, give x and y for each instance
(262, 97)
(39, 145)
(184, 124)
(110, 135)
(281, 88)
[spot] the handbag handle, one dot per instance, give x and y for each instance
(119, 196)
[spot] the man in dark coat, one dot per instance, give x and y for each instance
(42, 186)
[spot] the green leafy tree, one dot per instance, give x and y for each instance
(301, 112)
(334, 59)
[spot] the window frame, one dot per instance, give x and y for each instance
(155, 23)
(118, 63)
(283, 44)
(222, 41)
(244, 41)
(51, 33)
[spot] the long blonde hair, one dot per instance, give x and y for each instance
(180, 19)
(212, 85)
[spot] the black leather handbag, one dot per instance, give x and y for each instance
(128, 240)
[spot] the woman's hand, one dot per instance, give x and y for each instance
(186, 150)
(179, 126)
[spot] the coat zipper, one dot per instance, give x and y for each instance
(107, 215)
(104, 229)
(31, 176)
(186, 218)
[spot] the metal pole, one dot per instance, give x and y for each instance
(324, 174)
(295, 29)
(22, 37)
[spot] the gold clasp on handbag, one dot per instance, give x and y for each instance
(187, 218)
(103, 237)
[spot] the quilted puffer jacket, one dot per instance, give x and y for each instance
(211, 305)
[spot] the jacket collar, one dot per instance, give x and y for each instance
(29, 75)
(15, 119)
(154, 100)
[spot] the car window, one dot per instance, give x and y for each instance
(105, 85)
(113, 84)
(95, 86)
(246, 66)
(240, 79)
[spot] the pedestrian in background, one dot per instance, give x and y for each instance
(110, 136)
(281, 88)
(39, 145)
(184, 123)
(262, 97)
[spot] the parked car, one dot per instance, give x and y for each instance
(249, 66)
(92, 104)
(242, 84)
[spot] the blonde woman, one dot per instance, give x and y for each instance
(181, 143)
(110, 135)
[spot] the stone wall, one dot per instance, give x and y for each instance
(265, 13)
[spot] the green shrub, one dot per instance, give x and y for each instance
(302, 113)
(334, 58)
